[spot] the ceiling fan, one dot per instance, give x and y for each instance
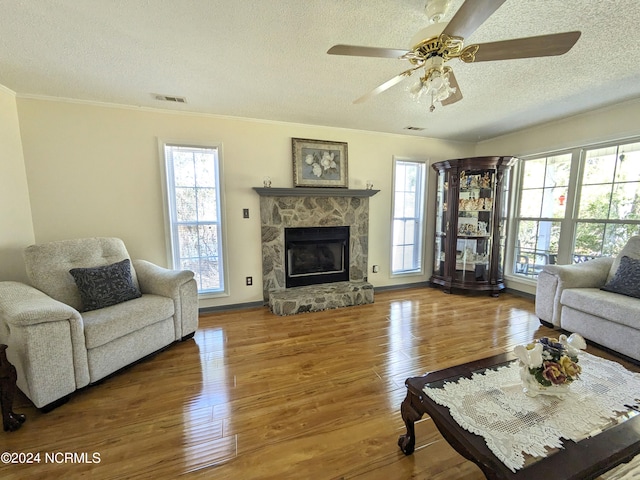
(433, 46)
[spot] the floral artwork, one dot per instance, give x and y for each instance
(550, 362)
(318, 163)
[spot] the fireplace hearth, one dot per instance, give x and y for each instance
(316, 255)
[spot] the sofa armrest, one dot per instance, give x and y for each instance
(176, 284)
(554, 279)
(46, 343)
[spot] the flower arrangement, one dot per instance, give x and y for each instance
(549, 363)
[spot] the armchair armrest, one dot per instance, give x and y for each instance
(22, 305)
(46, 343)
(158, 280)
(554, 279)
(176, 284)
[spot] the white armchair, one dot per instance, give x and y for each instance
(61, 337)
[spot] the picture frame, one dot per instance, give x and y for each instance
(319, 163)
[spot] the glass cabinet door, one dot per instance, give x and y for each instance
(475, 217)
(441, 222)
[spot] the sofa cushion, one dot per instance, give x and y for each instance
(611, 306)
(106, 285)
(106, 324)
(631, 249)
(626, 281)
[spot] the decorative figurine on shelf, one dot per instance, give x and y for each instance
(463, 178)
(482, 228)
(267, 182)
(486, 181)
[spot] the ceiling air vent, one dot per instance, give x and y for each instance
(171, 98)
(417, 129)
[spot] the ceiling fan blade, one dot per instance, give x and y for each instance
(540, 46)
(386, 85)
(470, 16)
(457, 96)
(356, 51)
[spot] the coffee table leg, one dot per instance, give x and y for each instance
(410, 415)
(11, 421)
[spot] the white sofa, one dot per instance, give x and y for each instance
(57, 347)
(570, 297)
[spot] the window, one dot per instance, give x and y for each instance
(576, 206)
(194, 213)
(408, 216)
(609, 208)
(543, 196)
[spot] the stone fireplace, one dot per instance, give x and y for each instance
(313, 208)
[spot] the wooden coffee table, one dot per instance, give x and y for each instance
(583, 460)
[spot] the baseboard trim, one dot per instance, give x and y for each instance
(520, 293)
(403, 286)
(235, 306)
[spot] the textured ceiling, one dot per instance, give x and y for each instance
(266, 59)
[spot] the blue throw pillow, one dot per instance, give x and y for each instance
(105, 286)
(626, 281)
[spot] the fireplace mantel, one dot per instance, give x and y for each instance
(314, 192)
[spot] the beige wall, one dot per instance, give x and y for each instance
(613, 123)
(95, 170)
(16, 229)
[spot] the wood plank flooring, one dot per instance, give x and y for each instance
(257, 396)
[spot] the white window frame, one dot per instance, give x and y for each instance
(420, 230)
(571, 219)
(169, 205)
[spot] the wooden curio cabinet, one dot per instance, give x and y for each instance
(471, 223)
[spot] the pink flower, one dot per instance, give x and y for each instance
(553, 372)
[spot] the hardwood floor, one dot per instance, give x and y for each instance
(257, 396)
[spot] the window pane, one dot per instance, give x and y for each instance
(553, 202)
(537, 246)
(594, 201)
(188, 241)
(558, 170)
(534, 173)
(628, 169)
(205, 170)
(183, 169)
(625, 202)
(599, 166)
(589, 237)
(616, 236)
(209, 274)
(207, 205)
(530, 203)
(409, 205)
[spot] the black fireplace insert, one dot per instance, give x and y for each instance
(316, 255)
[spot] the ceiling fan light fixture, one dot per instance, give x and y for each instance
(438, 87)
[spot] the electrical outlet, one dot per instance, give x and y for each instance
(249, 281)
(375, 269)
(245, 213)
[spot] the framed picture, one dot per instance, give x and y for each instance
(319, 163)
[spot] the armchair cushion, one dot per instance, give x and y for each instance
(626, 280)
(104, 286)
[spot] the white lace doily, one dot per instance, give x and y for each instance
(492, 404)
